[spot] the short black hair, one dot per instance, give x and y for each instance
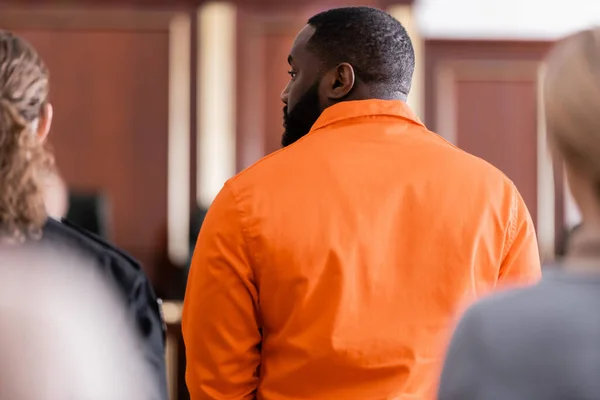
(372, 41)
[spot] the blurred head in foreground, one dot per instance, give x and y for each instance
(572, 107)
(25, 119)
(60, 340)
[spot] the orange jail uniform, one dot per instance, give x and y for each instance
(334, 268)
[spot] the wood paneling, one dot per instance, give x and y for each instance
(490, 109)
(483, 97)
(110, 89)
(187, 3)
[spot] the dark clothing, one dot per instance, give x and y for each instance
(89, 211)
(540, 343)
(130, 280)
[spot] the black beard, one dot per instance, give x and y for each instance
(299, 120)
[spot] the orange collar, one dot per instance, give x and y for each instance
(365, 108)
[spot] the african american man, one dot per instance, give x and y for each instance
(334, 268)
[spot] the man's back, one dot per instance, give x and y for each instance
(362, 241)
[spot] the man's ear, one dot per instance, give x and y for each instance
(45, 122)
(343, 80)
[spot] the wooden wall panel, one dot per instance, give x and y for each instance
(489, 108)
(265, 39)
(509, 131)
(483, 97)
(185, 3)
(110, 91)
(112, 137)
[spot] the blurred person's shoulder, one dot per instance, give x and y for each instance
(123, 269)
(79, 342)
(66, 234)
(505, 305)
(540, 339)
(538, 316)
(556, 292)
(130, 280)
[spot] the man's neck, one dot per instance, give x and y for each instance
(376, 92)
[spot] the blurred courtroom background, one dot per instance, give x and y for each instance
(158, 102)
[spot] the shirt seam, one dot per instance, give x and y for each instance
(511, 231)
(244, 230)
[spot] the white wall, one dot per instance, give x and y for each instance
(505, 19)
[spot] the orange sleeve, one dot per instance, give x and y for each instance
(521, 263)
(220, 317)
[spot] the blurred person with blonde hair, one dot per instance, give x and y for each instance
(61, 341)
(25, 120)
(543, 342)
